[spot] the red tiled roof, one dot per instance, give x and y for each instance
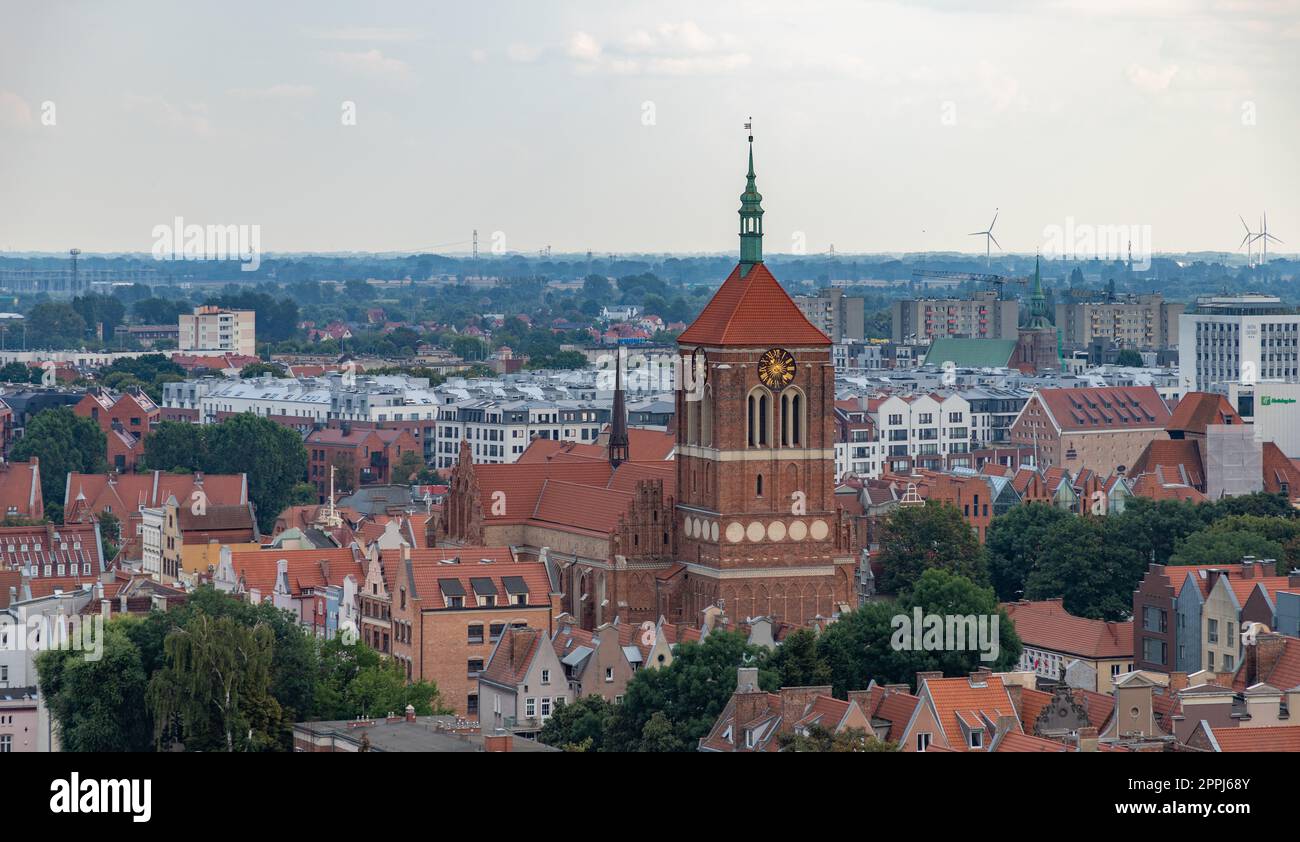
(1014, 742)
(954, 697)
(1280, 470)
(1265, 738)
(1159, 486)
(1167, 455)
(752, 309)
(1106, 408)
(513, 655)
(1197, 410)
(306, 568)
(20, 489)
(427, 567)
(1047, 625)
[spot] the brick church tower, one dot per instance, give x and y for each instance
(758, 528)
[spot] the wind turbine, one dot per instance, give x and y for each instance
(1265, 236)
(988, 238)
(1250, 237)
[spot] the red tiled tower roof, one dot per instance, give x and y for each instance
(752, 309)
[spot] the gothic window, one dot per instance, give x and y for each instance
(792, 418)
(758, 486)
(759, 412)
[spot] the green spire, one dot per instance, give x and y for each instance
(751, 219)
(1038, 301)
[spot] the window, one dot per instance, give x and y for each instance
(976, 739)
(476, 633)
(546, 676)
(1154, 619)
(546, 707)
(609, 674)
(6, 743)
(495, 631)
(759, 410)
(471, 703)
(922, 741)
(1212, 630)
(474, 667)
(530, 707)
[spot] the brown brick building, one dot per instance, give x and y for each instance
(450, 606)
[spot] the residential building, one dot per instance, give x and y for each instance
(1140, 322)
(216, 330)
(319, 586)
(450, 607)
(523, 685)
(839, 316)
(982, 316)
(755, 720)
(20, 490)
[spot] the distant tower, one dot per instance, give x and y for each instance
(73, 254)
(475, 245)
(618, 442)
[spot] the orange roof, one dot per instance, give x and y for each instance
(1168, 456)
(1159, 486)
(306, 568)
(429, 567)
(752, 309)
(1047, 625)
(1264, 738)
(1197, 410)
(512, 656)
(961, 699)
(1285, 673)
(20, 489)
(1014, 742)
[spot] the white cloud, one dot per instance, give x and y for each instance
(14, 110)
(1149, 80)
(670, 49)
(373, 64)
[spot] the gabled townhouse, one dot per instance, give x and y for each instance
(450, 607)
(168, 529)
(125, 418)
(755, 720)
(20, 490)
(523, 684)
(87, 496)
(964, 713)
(594, 662)
(1215, 602)
(888, 707)
(318, 586)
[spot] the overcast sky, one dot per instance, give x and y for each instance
(618, 127)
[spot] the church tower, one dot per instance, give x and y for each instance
(758, 528)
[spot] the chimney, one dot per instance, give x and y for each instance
(1263, 656)
(1293, 578)
(746, 679)
(1211, 577)
(1177, 681)
(1087, 739)
(1016, 692)
(795, 700)
(1248, 567)
(922, 677)
(980, 678)
(410, 713)
(498, 742)
(121, 601)
(13, 594)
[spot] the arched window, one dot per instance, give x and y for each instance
(758, 486)
(759, 411)
(792, 418)
(706, 416)
(692, 421)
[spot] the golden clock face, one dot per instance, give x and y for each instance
(776, 368)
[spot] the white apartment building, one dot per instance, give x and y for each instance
(214, 330)
(498, 432)
(151, 538)
(1240, 339)
(860, 456)
(920, 426)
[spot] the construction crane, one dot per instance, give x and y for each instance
(998, 282)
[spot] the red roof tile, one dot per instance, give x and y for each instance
(752, 309)
(1047, 625)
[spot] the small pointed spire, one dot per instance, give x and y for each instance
(618, 441)
(751, 215)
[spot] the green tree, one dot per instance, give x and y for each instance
(273, 457)
(690, 693)
(796, 662)
(173, 445)
(55, 324)
(15, 372)
(1129, 357)
(110, 532)
(1014, 542)
(355, 680)
(1152, 529)
(1089, 564)
(918, 538)
(259, 368)
(820, 738)
(408, 466)
(98, 705)
(579, 725)
(65, 443)
(215, 691)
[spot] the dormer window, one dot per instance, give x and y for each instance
(977, 738)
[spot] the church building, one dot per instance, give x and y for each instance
(742, 517)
